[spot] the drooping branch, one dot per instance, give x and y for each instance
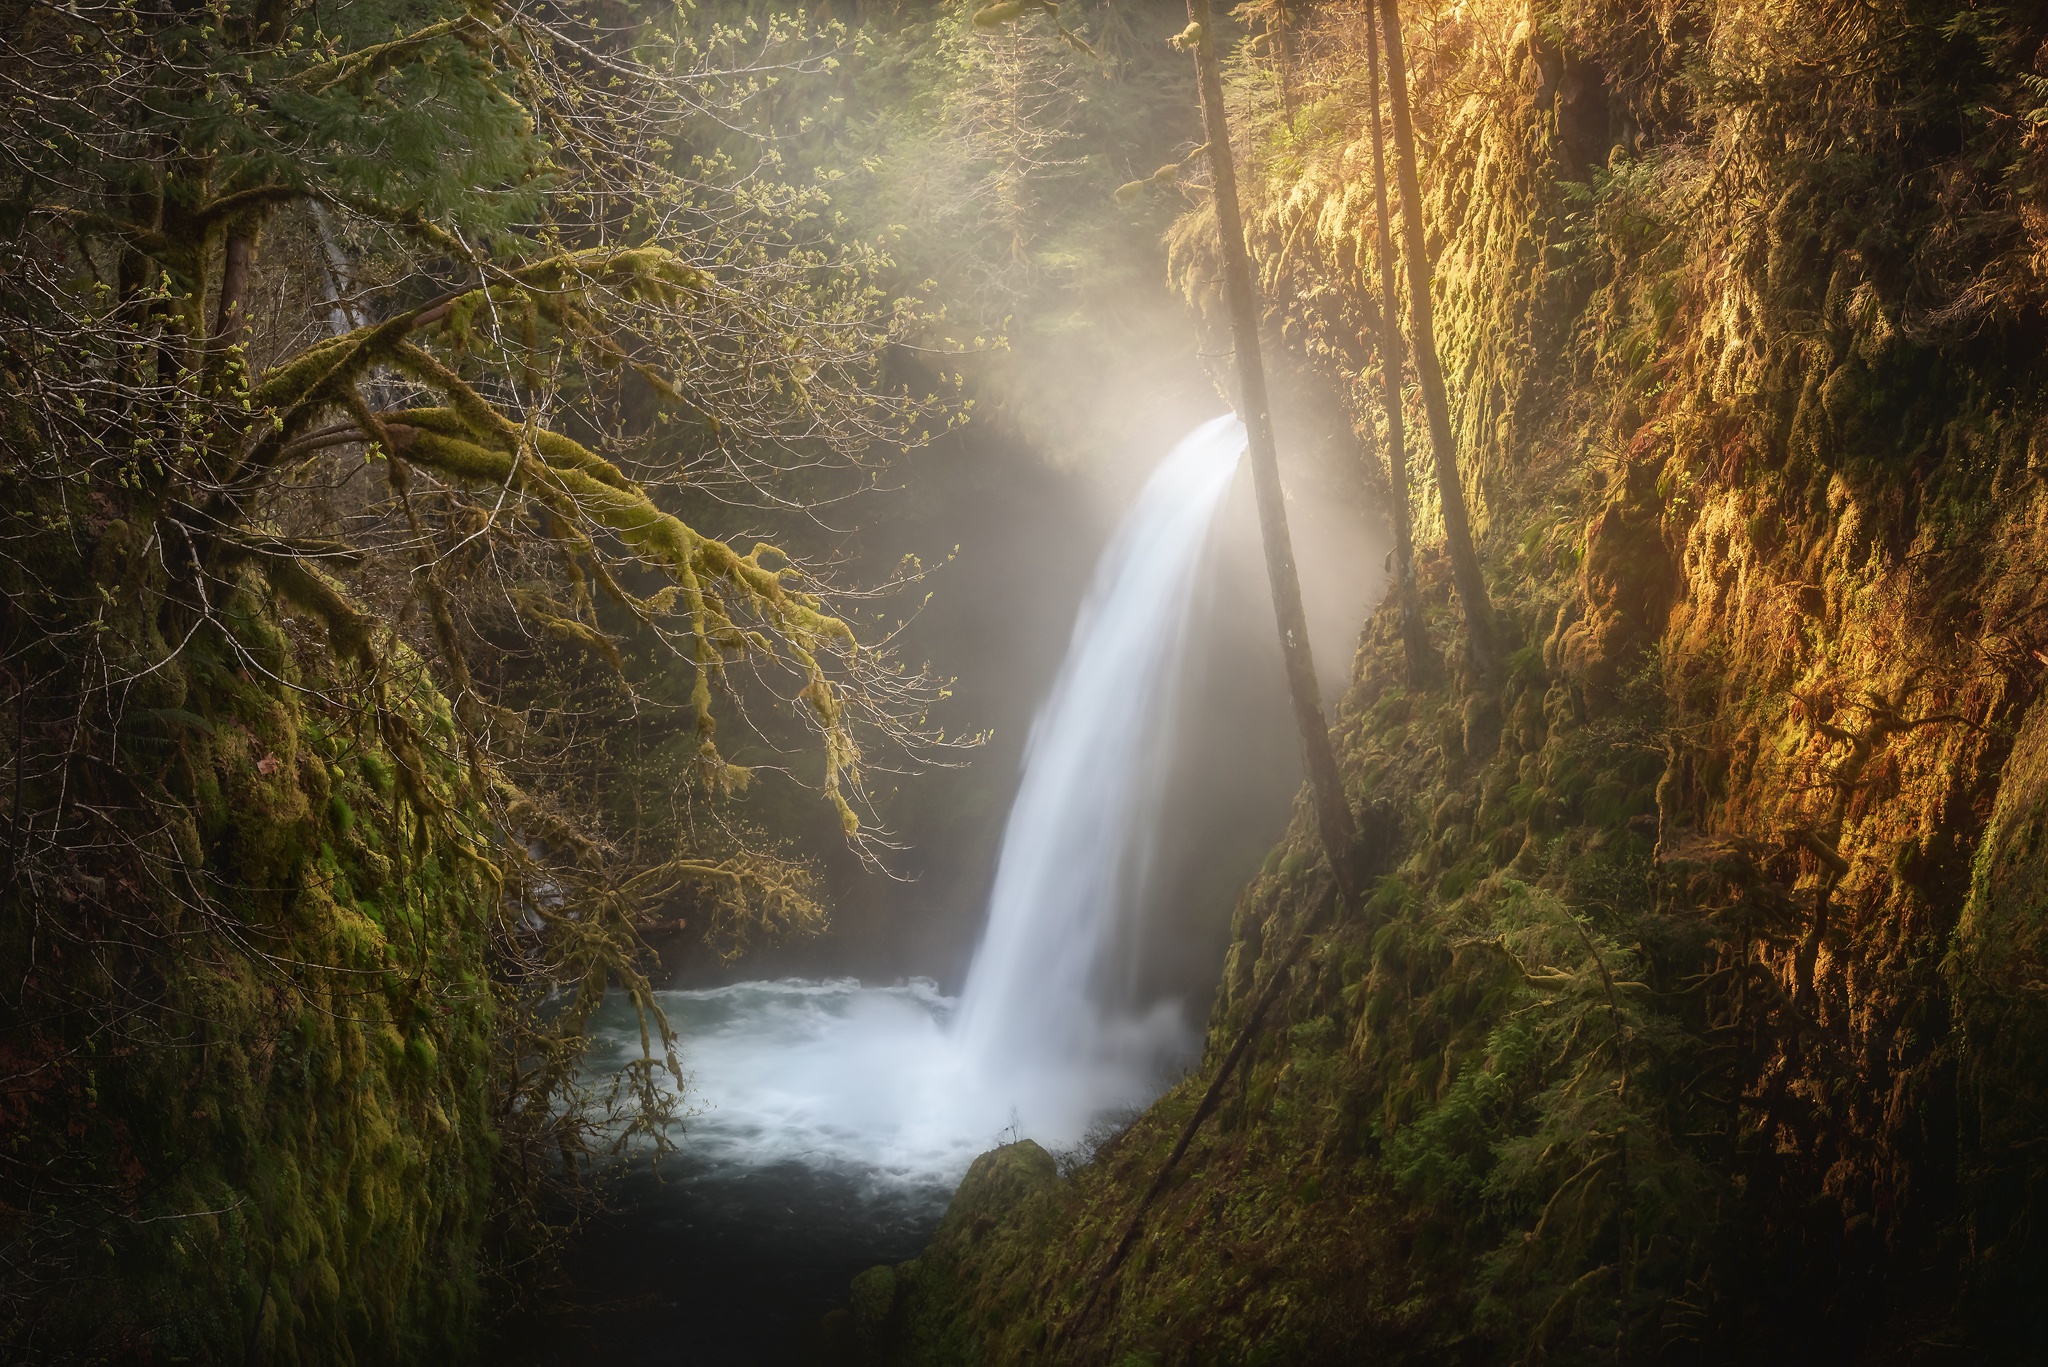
(712, 581)
(427, 573)
(468, 439)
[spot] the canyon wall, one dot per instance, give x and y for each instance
(1702, 1014)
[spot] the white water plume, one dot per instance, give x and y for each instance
(903, 1085)
(1040, 1017)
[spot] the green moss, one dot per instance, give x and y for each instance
(298, 1179)
(1702, 1020)
(376, 771)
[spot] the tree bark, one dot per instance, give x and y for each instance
(221, 362)
(1480, 635)
(1334, 821)
(231, 320)
(1283, 57)
(1422, 661)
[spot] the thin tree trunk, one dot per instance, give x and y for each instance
(1283, 56)
(217, 355)
(231, 320)
(1212, 1096)
(1422, 659)
(1334, 822)
(1479, 627)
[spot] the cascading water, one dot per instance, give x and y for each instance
(900, 1087)
(1038, 1017)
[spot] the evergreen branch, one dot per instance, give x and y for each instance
(147, 241)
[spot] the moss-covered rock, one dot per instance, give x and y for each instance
(254, 1068)
(937, 1310)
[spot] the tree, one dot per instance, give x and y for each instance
(1414, 634)
(352, 361)
(1335, 824)
(1480, 633)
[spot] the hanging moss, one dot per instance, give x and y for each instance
(278, 1140)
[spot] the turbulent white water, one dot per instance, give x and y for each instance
(864, 1081)
(902, 1085)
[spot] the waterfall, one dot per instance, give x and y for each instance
(898, 1088)
(1041, 1015)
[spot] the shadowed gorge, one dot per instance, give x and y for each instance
(533, 538)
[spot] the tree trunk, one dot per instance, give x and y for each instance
(231, 320)
(1334, 822)
(1283, 57)
(1480, 643)
(222, 365)
(1422, 661)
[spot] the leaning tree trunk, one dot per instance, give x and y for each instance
(226, 366)
(1422, 661)
(1479, 628)
(1334, 822)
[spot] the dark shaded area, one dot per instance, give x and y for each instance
(693, 1268)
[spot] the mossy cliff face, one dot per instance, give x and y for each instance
(248, 1053)
(1701, 1018)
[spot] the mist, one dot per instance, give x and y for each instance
(1028, 523)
